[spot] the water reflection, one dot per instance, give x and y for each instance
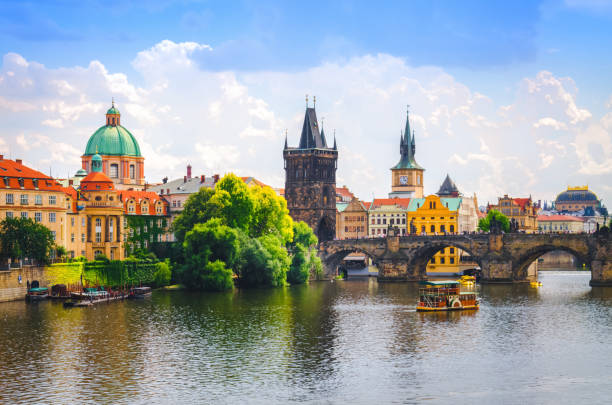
(354, 341)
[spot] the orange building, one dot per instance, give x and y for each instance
(523, 210)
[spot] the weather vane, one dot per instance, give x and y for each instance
(306, 100)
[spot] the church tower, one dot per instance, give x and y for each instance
(310, 178)
(407, 175)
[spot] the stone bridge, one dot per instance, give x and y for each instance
(503, 258)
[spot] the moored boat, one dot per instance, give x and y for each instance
(445, 295)
(37, 294)
(140, 292)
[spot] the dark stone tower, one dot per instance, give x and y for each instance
(310, 179)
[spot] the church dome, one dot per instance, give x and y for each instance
(575, 194)
(112, 138)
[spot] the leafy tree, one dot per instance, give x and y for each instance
(197, 210)
(163, 274)
(236, 207)
(257, 266)
(303, 235)
(61, 252)
(299, 270)
(22, 237)
(216, 277)
(485, 223)
(206, 243)
(270, 215)
(315, 266)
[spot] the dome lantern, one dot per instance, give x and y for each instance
(113, 116)
(96, 163)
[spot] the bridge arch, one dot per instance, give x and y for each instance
(522, 263)
(335, 253)
(424, 254)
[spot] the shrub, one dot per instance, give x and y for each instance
(163, 274)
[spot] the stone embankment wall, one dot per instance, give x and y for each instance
(10, 287)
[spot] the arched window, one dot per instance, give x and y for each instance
(433, 229)
(452, 228)
(113, 120)
(442, 228)
(423, 229)
(132, 172)
(418, 179)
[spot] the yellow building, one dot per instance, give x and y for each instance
(434, 215)
(522, 210)
(407, 175)
(28, 193)
(351, 220)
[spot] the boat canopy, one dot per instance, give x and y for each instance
(439, 283)
(38, 289)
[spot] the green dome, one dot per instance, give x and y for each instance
(80, 173)
(112, 110)
(112, 140)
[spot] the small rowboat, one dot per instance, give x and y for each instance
(37, 294)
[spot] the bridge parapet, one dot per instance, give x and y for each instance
(502, 258)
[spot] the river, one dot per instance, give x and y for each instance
(340, 342)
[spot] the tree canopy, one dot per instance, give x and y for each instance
(243, 231)
(23, 238)
(485, 223)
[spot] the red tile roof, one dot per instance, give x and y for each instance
(96, 181)
(560, 218)
(401, 202)
(344, 192)
(138, 196)
(248, 180)
(11, 171)
(521, 201)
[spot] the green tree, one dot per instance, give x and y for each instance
(236, 207)
(216, 277)
(485, 223)
(299, 270)
(163, 274)
(23, 238)
(270, 215)
(303, 235)
(257, 266)
(206, 243)
(197, 210)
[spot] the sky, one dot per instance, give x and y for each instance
(506, 97)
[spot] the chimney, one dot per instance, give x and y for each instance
(188, 171)
(216, 178)
(18, 161)
(184, 179)
(202, 178)
(165, 180)
(70, 182)
(167, 191)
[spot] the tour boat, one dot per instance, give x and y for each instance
(536, 284)
(467, 280)
(445, 295)
(37, 294)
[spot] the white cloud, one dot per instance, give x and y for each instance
(222, 121)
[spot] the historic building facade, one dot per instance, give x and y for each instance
(522, 210)
(121, 158)
(560, 224)
(351, 220)
(385, 213)
(407, 175)
(28, 193)
(310, 179)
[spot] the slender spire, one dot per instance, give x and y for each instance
(413, 145)
(407, 147)
(335, 146)
(286, 146)
(113, 101)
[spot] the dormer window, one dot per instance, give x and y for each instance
(20, 180)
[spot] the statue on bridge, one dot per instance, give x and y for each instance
(413, 229)
(495, 226)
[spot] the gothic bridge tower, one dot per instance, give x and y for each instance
(310, 178)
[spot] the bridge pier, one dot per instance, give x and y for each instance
(496, 270)
(397, 270)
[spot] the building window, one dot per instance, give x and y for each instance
(72, 237)
(452, 260)
(52, 217)
(433, 260)
(72, 221)
(24, 215)
(452, 228)
(53, 234)
(418, 179)
(98, 230)
(384, 221)
(83, 237)
(38, 199)
(433, 229)
(9, 198)
(114, 170)
(452, 250)
(132, 172)
(423, 229)
(38, 216)
(441, 260)
(52, 200)
(24, 199)
(442, 229)
(9, 214)
(83, 221)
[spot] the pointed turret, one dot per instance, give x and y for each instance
(448, 188)
(311, 137)
(323, 136)
(407, 149)
(286, 146)
(335, 147)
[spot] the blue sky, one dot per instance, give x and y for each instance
(490, 47)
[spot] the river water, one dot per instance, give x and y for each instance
(341, 342)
